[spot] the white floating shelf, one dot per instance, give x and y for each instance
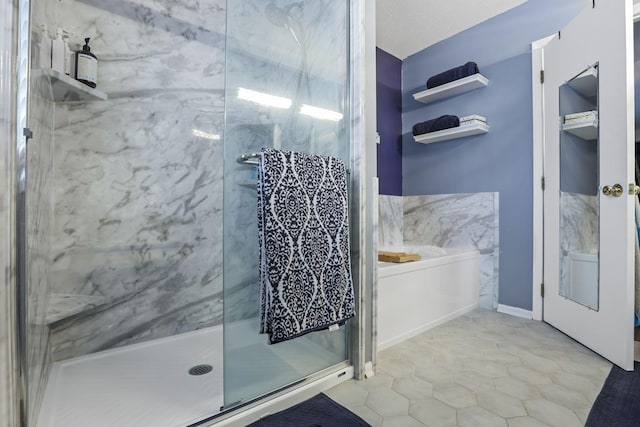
(452, 133)
(587, 129)
(67, 89)
(465, 84)
(586, 83)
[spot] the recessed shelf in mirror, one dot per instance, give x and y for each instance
(452, 133)
(67, 89)
(465, 84)
(587, 130)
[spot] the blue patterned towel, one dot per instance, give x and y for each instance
(303, 229)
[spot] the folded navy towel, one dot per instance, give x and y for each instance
(442, 122)
(453, 74)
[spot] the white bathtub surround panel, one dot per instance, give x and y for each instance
(391, 219)
(459, 221)
(427, 293)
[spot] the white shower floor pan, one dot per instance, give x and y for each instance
(145, 384)
(148, 384)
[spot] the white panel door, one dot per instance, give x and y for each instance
(589, 225)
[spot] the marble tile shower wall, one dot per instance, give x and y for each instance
(39, 214)
(139, 196)
(302, 63)
(9, 416)
(138, 178)
(39, 202)
(449, 221)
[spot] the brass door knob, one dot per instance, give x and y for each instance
(634, 189)
(613, 190)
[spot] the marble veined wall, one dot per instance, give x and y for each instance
(39, 210)
(390, 221)
(578, 230)
(578, 223)
(39, 223)
(9, 414)
(302, 63)
(448, 221)
(138, 178)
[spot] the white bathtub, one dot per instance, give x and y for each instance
(416, 296)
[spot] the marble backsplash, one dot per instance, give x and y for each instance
(448, 221)
(390, 221)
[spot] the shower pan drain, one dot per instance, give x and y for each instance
(200, 369)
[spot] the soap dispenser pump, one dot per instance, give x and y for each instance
(87, 65)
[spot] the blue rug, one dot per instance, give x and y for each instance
(618, 404)
(319, 411)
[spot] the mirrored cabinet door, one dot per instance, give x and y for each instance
(579, 184)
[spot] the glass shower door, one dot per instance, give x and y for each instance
(286, 87)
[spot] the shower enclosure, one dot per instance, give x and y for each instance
(140, 255)
(286, 90)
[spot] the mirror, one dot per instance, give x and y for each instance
(579, 187)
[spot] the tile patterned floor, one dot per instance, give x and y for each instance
(480, 369)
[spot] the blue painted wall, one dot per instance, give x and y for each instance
(389, 122)
(502, 159)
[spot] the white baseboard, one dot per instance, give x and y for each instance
(515, 311)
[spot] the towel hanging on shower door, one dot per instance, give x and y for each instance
(303, 229)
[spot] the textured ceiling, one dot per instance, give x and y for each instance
(405, 27)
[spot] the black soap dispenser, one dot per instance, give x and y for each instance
(86, 65)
